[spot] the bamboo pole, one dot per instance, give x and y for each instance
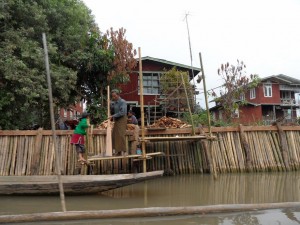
(142, 113)
(205, 94)
(143, 212)
(108, 151)
(208, 115)
(188, 103)
(61, 189)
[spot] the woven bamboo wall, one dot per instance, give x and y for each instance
(235, 149)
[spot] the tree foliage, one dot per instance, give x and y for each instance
(236, 83)
(108, 61)
(82, 59)
(174, 84)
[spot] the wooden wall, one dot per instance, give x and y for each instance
(235, 149)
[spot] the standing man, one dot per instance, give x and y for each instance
(119, 116)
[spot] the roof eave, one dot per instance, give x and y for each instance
(171, 63)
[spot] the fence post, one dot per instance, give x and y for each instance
(284, 146)
(246, 147)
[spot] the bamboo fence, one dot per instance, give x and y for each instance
(235, 149)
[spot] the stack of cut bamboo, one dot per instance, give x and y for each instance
(169, 122)
(103, 125)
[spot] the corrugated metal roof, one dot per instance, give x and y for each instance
(196, 69)
(283, 79)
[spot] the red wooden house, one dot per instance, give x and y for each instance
(276, 98)
(152, 69)
(68, 117)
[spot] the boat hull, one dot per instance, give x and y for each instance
(72, 184)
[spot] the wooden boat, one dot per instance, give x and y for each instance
(73, 184)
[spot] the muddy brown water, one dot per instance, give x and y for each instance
(180, 190)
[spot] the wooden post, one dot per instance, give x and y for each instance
(155, 100)
(34, 164)
(142, 113)
(58, 164)
(207, 152)
(208, 116)
(108, 151)
(284, 146)
(246, 147)
(205, 95)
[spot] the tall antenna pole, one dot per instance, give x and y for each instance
(191, 55)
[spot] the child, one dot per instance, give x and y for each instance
(78, 136)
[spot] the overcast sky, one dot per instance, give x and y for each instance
(265, 34)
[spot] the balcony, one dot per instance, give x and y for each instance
(287, 101)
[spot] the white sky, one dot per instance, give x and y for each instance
(265, 34)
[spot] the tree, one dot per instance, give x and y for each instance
(82, 59)
(175, 90)
(23, 93)
(109, 61)
(236, 83)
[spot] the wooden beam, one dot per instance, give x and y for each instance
(179, 138)
(166, 131)
(143, 212)
(98, 158)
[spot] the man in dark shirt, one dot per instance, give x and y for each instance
(119, 116)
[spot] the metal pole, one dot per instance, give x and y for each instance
(142, 113)
(205, 95)
(57, 155)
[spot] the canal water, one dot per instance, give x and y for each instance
(180, 190)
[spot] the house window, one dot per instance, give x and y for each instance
(268, 90)
(285, 94)
(252, 93)
(220, 115)
(213, 115)
(288, 114)
(236, 113)
(65, 113)
(242, 97)
(151, 83)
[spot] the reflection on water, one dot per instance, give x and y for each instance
(184, 190)
(192, 190)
